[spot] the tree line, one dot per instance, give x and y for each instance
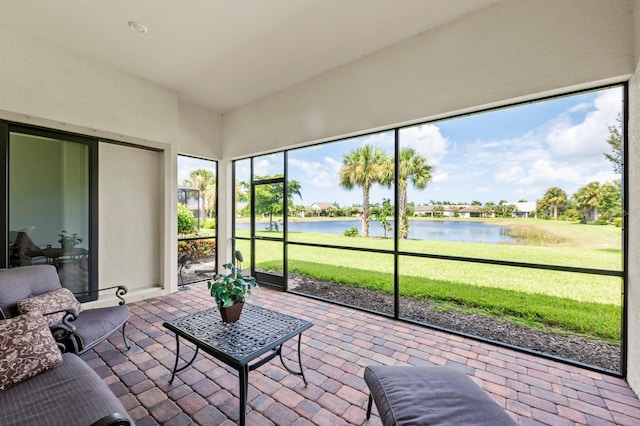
(593, 201)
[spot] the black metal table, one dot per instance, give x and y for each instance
(259, 331)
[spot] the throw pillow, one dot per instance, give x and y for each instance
(27, 348)
(52, 301)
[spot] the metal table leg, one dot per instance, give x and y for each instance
(298, 373)
(243, 375)
(175, 366)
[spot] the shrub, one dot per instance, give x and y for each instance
(617, 222)
(186, 220)
(208, 224)
(351, 232)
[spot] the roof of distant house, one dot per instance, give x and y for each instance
(321, 205)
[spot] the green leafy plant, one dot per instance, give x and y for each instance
(351, 232)
(232, 287)
(186, 220)
(67, 240)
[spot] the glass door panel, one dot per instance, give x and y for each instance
(197, 219)
(267, 231)
(49, 206)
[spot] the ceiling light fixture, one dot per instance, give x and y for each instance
(137, 27)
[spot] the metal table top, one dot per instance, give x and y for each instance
(258, 331)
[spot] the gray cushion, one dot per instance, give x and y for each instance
(431, 396)
(94, 325)
(17, 284)
(71, 394)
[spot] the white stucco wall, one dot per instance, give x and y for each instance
(40, 80)
(506, 52)
(131, 233)
(633, 217)
(199, 131)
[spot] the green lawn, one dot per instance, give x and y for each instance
(572, 302)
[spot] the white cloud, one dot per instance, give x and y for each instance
(383, 140)
(427, 140)
(509, 173)
(583, 106)
(261, 167)
(440, 177)
(587, 139)
(319, 174)
(187, 164)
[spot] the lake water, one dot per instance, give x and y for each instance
(441, 230)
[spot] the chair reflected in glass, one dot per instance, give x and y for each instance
(22, 251)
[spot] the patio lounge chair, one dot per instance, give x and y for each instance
(38, 288)
(407, 395)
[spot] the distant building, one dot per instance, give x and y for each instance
(423, 211)
(470, 211)
(525, 209)
(320, 208)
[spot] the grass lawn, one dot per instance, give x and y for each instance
(572, 302)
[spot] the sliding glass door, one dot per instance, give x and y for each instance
(48, 208)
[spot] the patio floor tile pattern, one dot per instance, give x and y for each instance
(341, 343)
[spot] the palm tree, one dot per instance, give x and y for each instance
(589, 198)
(413, 167)
(364, 167)
(201, 179)
(210, 199)
(488, 209)
(553, 198)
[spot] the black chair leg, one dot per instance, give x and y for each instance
(124, 337)
(369, 406)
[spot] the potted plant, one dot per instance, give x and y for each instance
(229, 291)
(68, 242)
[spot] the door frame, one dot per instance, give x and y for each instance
(270, 279)
(6, 128)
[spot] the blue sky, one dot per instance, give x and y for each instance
(508, 154)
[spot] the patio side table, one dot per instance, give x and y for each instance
(258, 335)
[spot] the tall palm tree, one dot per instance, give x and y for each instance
(413, 167)
(589, 198)
(364, 167)
(210, 198)
(554, 197)
(201, 179)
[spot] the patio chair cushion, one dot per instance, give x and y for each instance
(17, 284)
(27, 348)
(431, 396)
(94, 325)
(52, 301)
(71, 394)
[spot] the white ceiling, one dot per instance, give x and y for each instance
(223, 54)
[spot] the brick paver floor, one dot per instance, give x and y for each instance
(336, 350)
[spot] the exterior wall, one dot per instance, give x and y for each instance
(200, 132)
(514, 50)
(40, 80)
(44, 85)
(633, 217)
(131, 234)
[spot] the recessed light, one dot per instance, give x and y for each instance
(137, 27)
